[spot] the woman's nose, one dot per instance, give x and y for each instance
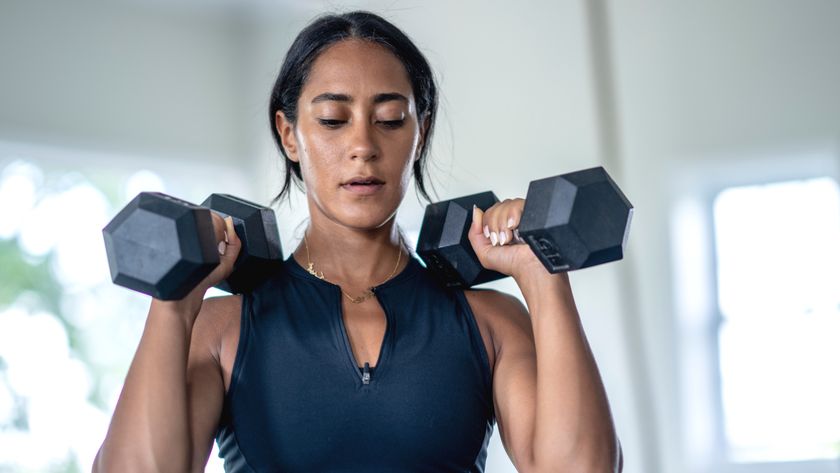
(362, 145)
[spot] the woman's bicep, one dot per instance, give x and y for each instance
(514, 371)
(205, 392)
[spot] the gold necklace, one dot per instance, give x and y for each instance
(355, 300)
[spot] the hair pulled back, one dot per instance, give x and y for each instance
(316, 38)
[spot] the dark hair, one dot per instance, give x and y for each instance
(328, 30)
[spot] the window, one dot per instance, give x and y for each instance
(778, 293)
(756, 252)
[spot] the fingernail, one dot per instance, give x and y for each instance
(222, 247)
(502, 238)
(516, 235)
(494, 238)
(226, 238)
(487, 231)
(510, 222)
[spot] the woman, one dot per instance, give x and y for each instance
(352, 358)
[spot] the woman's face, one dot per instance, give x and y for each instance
(357, 121)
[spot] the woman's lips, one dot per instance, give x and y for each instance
(363, 189)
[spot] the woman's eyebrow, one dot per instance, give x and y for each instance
(328, 96)
(377, 99)
(387, 97)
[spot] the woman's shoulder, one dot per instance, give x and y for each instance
(499, 312)
(216, 323)
(218, 310)
(492, 303)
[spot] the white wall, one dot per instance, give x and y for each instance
(125, 77)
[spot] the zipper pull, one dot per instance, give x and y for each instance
(366, 374)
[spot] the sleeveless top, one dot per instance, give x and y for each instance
(298, 402)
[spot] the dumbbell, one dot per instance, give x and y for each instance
(570, 221)
(164, 246)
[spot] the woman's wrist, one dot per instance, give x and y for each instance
(533, 273)
(537, 283)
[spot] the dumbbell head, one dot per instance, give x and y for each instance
(161, 246)
(256, 227)
(443, 243)
(576, 220)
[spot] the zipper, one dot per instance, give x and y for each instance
(364, 375)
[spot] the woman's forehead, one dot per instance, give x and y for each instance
(357, 68)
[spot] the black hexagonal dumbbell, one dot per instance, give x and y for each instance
(443, 244)
(164, 246)
(570, 221)
(256, 227)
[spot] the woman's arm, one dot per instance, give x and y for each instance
(172, 397)
(574, 428)
(551, 406)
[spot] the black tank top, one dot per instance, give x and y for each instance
(298, 402)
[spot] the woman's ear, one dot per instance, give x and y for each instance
(286, 131)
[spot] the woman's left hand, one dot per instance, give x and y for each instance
(495, 239)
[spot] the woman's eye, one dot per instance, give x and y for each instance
(392, 123)
(331, 123)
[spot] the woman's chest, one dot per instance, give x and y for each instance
(364, 329)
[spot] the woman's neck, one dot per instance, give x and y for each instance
(353, 259)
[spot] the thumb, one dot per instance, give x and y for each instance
(475, 233)
(230, 232)
(232, 243)
(477, 220)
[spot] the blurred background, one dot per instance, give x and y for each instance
(717, 335)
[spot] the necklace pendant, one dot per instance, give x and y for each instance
(365, 296)
(317, 274)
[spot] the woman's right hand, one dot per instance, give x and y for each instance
(229, 247)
